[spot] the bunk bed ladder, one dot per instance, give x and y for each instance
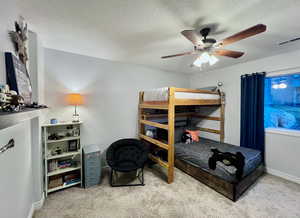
(169, 165)
(171, 124)
(222, 117)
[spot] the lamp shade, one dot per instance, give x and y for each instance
(74, 99)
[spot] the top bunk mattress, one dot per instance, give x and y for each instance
(161, 94)
(197, 154)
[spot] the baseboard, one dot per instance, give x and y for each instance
(31, 211)
(39, 204)
(283, 175)
(35, 206)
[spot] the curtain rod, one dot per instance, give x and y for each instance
(283, 69)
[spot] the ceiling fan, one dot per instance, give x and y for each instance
(206, 48)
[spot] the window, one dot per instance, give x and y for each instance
(282, 101)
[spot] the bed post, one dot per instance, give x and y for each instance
(141, 125)
(171, 123)
(222, 116)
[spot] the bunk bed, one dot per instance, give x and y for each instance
(167, 99)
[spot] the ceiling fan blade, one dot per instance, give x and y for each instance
(259, 28)
(228, 53)
(181, 54)
(192, 36)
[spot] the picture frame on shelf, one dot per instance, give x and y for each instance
(72, 145)
(18, 77)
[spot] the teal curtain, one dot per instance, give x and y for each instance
(252, 111)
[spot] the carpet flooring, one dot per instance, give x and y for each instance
(186, 197)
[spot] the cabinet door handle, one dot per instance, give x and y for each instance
(9, 145)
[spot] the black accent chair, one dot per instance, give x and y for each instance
(127, 155)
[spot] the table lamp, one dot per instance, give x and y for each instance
(76, 100)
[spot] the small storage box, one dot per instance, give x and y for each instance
(91, 165)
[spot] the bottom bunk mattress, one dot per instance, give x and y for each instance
(197, 154)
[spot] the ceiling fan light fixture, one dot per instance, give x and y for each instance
(198, 62)
(213, 60)
(205, 58)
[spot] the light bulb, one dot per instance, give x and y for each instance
(205, 57)
(213, 60)
(198, 62)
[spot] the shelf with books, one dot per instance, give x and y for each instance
(63, 170)
(62, 156)
(63, 186)
(65, 154)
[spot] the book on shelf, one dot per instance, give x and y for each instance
(52, 165)
(55, 181)
(64, 164)
(61, 164)
(69, 182)
(71, 178)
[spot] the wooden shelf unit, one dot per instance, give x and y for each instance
(169, 106)
(58, 128)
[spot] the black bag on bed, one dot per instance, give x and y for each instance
(229, 159)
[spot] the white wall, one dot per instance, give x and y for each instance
(281, 151)
(36, 66)
(8, 14)
(110, 90)
(282, 155)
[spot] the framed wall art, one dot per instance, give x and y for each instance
(17, 77)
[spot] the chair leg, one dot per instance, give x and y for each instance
(140, 177)
(111, 177)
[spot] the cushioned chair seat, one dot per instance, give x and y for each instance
(127, 155)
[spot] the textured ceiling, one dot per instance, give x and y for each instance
(140, 31)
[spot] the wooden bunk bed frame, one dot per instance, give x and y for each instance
(170, 107)
(230, 190)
